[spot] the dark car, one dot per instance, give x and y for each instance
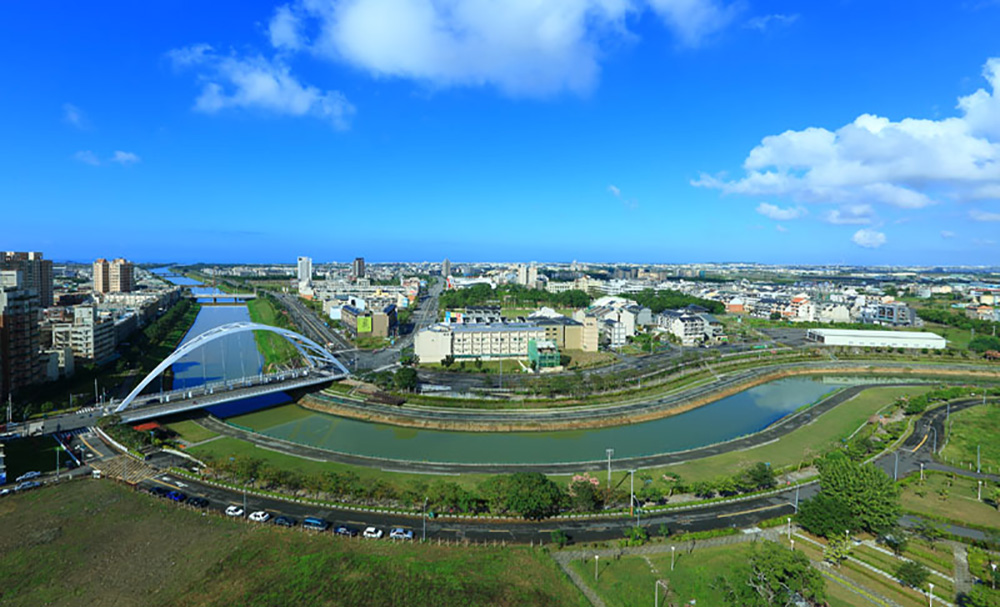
(285, 521)
(345, 530)
(176, 496)
(316, 524)
(197, 502)
(159, 491)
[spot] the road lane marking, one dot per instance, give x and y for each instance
(921, 443)
(89, 446)
(753, 510)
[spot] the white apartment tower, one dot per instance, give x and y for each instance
(305, 271)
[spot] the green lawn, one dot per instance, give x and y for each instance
(275, 349)
(974, 427)
(191, 431)
(803, 444)
(959, 503)
(98, 543)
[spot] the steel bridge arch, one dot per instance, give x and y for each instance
(314, 354)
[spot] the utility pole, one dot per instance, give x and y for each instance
(631, 491)
(978, 467)
(425, 521)
(610, 452)
(895, 467)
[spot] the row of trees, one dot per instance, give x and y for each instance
(658, 301)
(512, 295)
(914, 405)
(984, 328)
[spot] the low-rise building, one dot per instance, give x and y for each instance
(876, 339)
(380, 322)
(543, 354)
(91, 337)
(492, 341)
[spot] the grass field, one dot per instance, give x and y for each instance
(191, 431)
(956, 501)
(974, 427)
(802, 444)
(275, 349)
(97, 543)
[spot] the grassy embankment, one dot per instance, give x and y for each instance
(277, 351)
(976, 427)
(941, 497)
(97, 543)
(802, 444)
(191, 431)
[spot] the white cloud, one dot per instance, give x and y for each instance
(947, 234)
(525, 48)
(87, 157)
(910, 164)
(615, 191)
(978, 215)
(75, 116)
(855, 214)
(868, 238)
(779, 214)
(284, 29)
(694, 20)
(628, 203)
(257, 83)
(780, 228)
(125, 158)
(766, 22)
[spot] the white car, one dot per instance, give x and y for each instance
(234, 511)
(372, 532)
(401, 534)
(27, 476)
(260, 516)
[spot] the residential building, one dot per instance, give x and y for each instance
(91, 337)
(305, 271)
(493, 341)
(36, 273)
(565, 332)
(380, 322)
(358, 267)
(116, 276)
(446, 268)
(20, 335)
(876, 339)
(893, 313)
(58, 363)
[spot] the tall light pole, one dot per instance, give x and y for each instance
(994, 566)
(789, 528)
(597, 559)
(425, 521)
(921, 471)
(930, 596)
(672, 549)
(631, 492)
(895, 467)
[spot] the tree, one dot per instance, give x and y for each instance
(867, 492)
(912, 573)
(584, 493)
(896, 541)
(995, 496)
(825, 515)
(772, 575)
(636, 536)
(447, 361)
(406, 379)
(982, 596)
(559, 538)
(775, 315)
(528, 494)
(838, 548)
(928, 530)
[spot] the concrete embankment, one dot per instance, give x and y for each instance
(606, 415)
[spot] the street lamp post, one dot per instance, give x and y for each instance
(597, 559)
(994, 566)
(921, 471)
(930, 596)
(895, 467)
(631, 493)
(789, 528)
(610, 452)
(673, 548)
(425, 521)
(656, 592)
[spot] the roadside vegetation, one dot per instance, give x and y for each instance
(972, 434)
(276, 350)
(98, 543)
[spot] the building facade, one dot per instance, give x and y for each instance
(91, 337)
(20, 335)
(876, 339)
(305, 271)
(36, 273)
(116, 276)
(358, 267)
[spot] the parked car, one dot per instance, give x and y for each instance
(6, 491)
(197, 502)
(159, 491)
(401, 534)
(234, 511)
(27, 485)
(27, 476)
(260, 516)
(316, 524)
(373, 533)
(345, 530)
(176, 496)
(285, 521)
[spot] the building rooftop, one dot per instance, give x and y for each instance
(859, 333)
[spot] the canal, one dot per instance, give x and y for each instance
(738, 415)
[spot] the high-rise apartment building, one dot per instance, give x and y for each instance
(91, 337)
(36, 273)
(358, 267)
(115, 276)
(446, 268)
(20, 334)
(305, 271)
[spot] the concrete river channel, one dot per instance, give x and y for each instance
(232, 357)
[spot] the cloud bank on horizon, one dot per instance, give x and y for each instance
(910, 164)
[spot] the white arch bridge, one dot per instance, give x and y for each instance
(322, 367)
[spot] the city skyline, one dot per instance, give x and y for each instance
(633, 131)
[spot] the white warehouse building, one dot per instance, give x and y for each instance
(876, 339)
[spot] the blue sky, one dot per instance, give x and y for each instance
(603, 130)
